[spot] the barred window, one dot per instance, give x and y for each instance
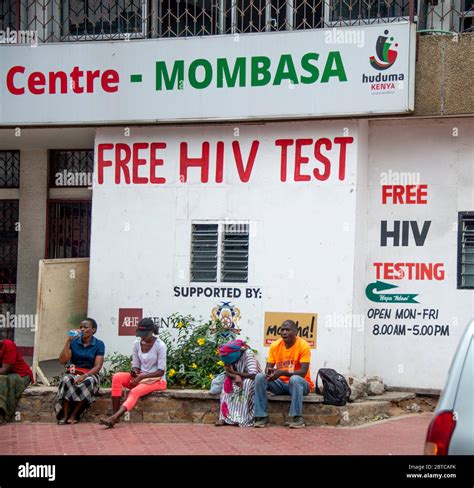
(8, 260)
(7, 15)
(466, 250)
(193, 17)
(467, 16)
(76, 20)
(308, 14)
(9, 169)
(103, 17)
(355, 11)
(69, 229)
(73, 169)
(220, 250)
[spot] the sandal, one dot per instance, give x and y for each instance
(63, 422)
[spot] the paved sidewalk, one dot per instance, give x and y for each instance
(402, 436)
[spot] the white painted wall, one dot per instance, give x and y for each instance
(356, 320)
(301, 247)
(312, 245)
(446, 163)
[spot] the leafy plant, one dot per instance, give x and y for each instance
(192, 358)
(115, 363)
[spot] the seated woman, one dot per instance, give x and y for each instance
(238, 394)
(84, 356)
(147, 373)
(15, 376)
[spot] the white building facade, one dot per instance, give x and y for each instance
(265, 173)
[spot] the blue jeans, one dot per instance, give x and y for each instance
(297, 387)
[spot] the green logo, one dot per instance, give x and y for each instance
(373, 290)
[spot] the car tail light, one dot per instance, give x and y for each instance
(439, 434)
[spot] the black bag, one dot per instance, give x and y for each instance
(336, 391)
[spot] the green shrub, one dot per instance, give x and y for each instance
(193, 360)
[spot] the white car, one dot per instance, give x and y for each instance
(452, 429)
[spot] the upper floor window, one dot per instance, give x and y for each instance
(356, 11)
(71, 168)
(8, 15)
(73, 20)
(467, 16)
(192, 17)
(103, 18)
(9, 169)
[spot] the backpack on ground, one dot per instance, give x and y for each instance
(336, 391)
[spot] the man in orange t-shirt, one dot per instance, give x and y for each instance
(286, 373)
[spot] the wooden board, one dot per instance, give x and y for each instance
(63, 287)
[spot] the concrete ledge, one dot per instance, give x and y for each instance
(197, 406)
(393, 396)
(418, 391)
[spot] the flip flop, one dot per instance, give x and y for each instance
(73, 422)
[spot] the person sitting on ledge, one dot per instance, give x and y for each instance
(287, 373)
(15, 376)
(237, 397)
(84, 356)
(147, 373)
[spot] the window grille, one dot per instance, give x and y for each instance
(101, 18)
(71, 168)
(76, 20)
(9, 169)
(466, 250)
(69, 229)
(8, 260)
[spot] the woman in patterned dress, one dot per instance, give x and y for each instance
(237, 397)
(84, 357)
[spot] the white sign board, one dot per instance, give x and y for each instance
(318, 73)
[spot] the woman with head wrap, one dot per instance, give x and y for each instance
(237, 396)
